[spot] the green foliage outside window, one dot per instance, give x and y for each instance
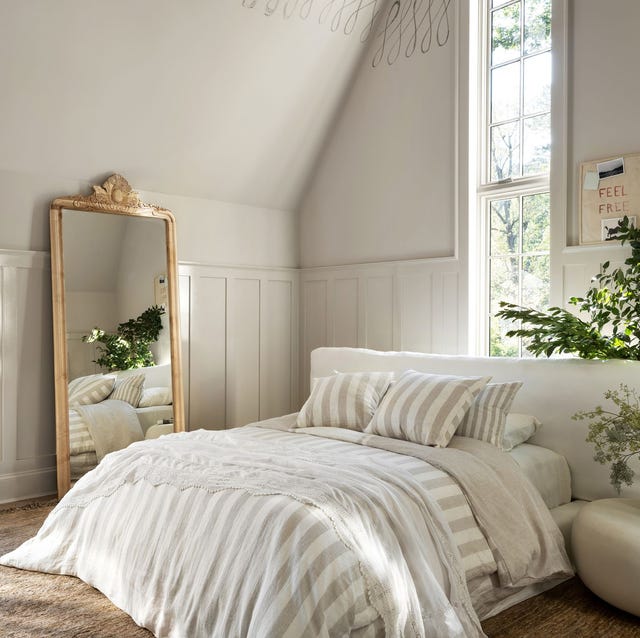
(609, 324)
(129, 347)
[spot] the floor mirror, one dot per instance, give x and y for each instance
(118, 375)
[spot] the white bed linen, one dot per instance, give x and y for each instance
(547, 470)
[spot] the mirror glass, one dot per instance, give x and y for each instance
(116, 336)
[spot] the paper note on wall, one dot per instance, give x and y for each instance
(591, 181)
(161, 290)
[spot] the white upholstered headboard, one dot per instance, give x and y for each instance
(553, 390)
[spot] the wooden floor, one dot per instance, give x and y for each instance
(34, 605)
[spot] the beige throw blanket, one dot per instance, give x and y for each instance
(525, 540)
(113, 425)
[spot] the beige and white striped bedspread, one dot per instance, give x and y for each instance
(263, 533)
(477, 558)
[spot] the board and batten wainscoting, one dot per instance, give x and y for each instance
(239, 329)
(27, 421)
(247, 333)
(415, 305)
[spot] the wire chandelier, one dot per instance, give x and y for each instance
(399, 27)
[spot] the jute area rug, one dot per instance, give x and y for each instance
(34, 605)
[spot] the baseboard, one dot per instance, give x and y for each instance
(20, 486)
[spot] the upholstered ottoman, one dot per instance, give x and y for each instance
(606, 550)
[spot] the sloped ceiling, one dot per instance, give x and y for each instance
(198, 97)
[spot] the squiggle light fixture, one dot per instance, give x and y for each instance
(398, 26)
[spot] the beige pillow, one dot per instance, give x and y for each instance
(129, 389)
(344, 400)
(91, 389)
(425, 408)
(487, 415)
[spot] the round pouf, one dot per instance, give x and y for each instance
(606, 549)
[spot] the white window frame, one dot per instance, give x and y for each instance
(481, 191)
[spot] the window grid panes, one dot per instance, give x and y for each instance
(518, 263)
(519, 87)
(514, 189)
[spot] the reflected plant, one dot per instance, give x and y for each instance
(616, 435)
(128, 348)
(611, 307)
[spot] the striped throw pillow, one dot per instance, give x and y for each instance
(488, 413)
(80, 439)
(425, 408)
(89, 390)
(344, 400)
(129, 389)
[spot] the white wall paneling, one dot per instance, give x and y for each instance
(404, 305)
(27, 427)
(580, 263)
(242, 358)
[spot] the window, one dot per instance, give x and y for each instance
(513, 191)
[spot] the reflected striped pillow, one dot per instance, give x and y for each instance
(344, 400)
(80, 439)
(425, 408)
(89, 390)
(488, 414)
(129, 389)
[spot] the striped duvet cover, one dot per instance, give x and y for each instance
(263, 532)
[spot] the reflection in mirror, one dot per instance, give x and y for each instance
(116, 336)
(115, 272)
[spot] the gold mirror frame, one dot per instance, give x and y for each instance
(117, 197)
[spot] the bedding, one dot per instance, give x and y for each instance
(129, 389)
(547, 470)
(155, 396)
(91, 389)
(344, 400)
(112, 425)
(487, 415)
(425, 408)
(518, 429)
(261, 531)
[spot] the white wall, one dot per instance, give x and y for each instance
(382, 193)
(383, 264)
(198, 97)
(384, 188)
(604, 87)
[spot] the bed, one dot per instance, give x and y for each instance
(284, 529)
(108, 412)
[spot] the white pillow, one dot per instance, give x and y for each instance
(487, 415)
(425, 408)
(155, 396)
(518, 428)
(91, 389)
(344, 400)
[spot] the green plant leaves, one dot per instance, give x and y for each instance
(609, 325)
(129, 347)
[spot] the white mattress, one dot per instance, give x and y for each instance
(547, 470)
